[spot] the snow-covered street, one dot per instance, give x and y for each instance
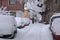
(37, 31)
(29, 20)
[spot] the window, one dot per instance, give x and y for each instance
(12, 2)
(0, 2)
(13, 14)
(56, 1)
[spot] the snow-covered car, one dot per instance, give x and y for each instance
(8, 28)
(55, 25)
(26, 21)
(21, 22)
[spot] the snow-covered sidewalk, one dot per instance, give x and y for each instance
(35, 31)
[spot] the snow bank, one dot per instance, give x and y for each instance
(22, 21)
(18, 21)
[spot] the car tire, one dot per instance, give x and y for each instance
(20, 27)
(13, 35)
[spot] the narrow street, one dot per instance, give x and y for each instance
(37, 31)
(29, 19)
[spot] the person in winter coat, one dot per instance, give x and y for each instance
(33, 19)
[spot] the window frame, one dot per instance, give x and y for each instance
(1, 3)
(10, 3)
(13, 13)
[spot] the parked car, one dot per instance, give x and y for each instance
(26, 21)
(55, 25)
(21, 22)
(8, 28)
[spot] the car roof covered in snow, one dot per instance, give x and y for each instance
(55, 14)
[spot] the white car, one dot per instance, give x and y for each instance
(8, 27)
(21, 22)
(55, 24)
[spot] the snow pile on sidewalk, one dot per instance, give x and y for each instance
(22, 21)
(18, 21)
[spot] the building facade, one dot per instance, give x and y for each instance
(14, 6)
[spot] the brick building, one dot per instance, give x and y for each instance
(14, 6)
